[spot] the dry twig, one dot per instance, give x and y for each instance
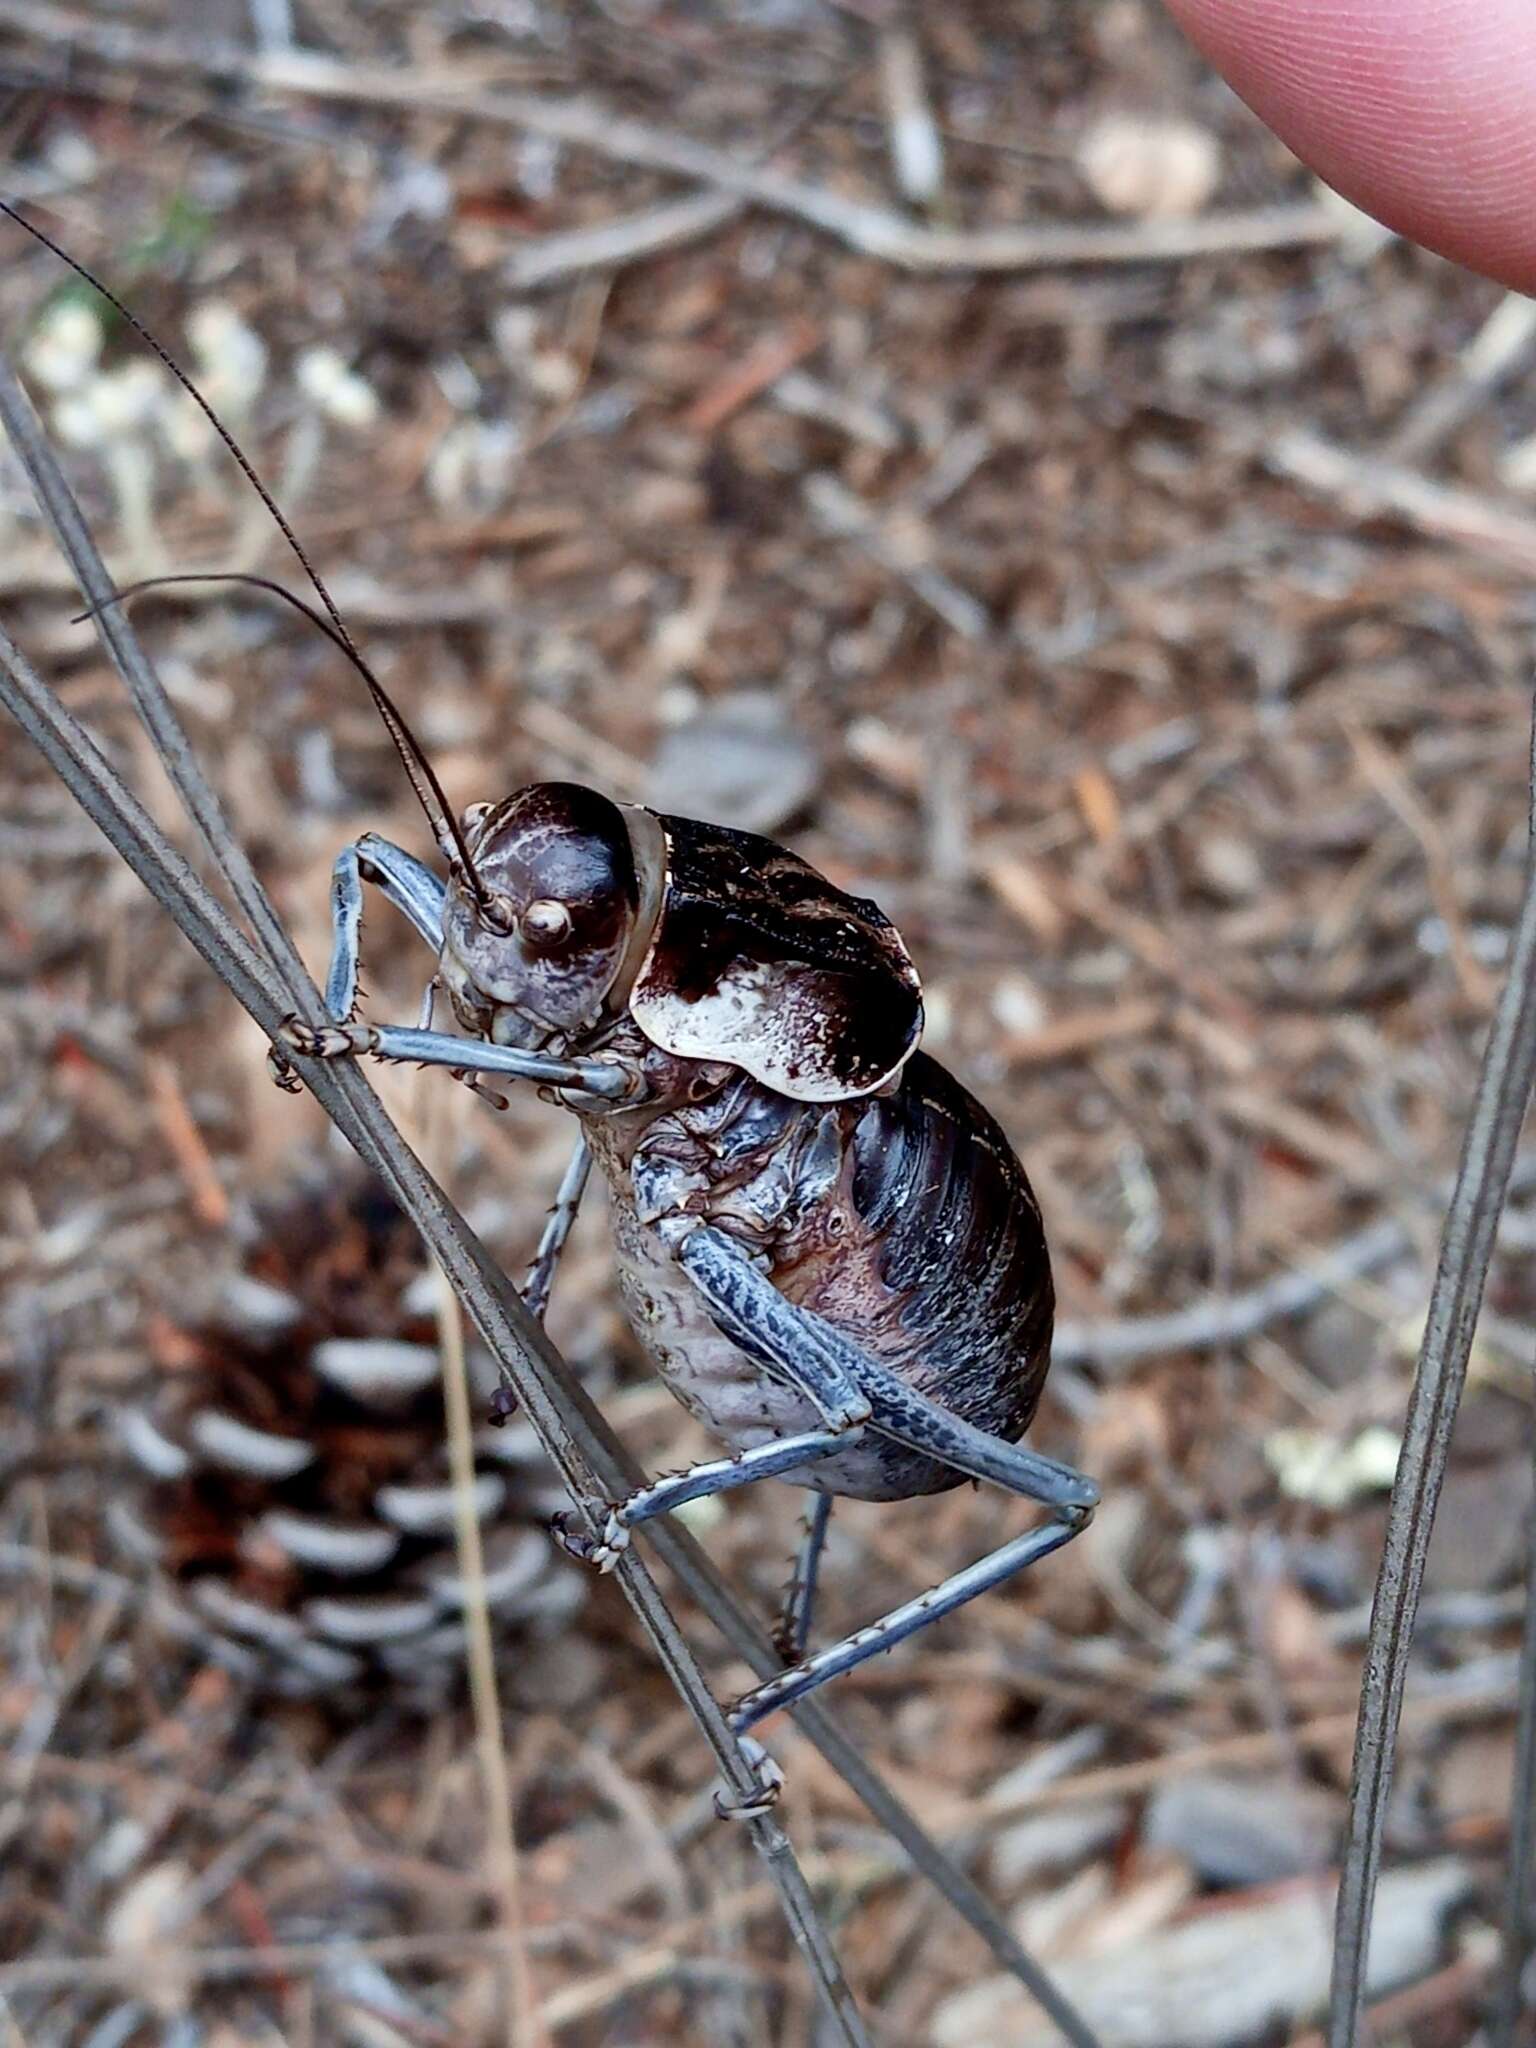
(1367, 488)
(1233, 1318)
(1520, 1868)
(872, 230)
(1503, 1092)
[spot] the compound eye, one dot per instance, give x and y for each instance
(471, 817)
(546, 923)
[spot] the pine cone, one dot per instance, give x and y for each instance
(291, 1477)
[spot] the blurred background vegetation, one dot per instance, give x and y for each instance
(967, 446)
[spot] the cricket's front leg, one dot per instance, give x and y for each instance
(557, 1227)
(599, 1080)
(420, 896)
(413, 889)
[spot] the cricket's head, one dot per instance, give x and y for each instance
(537, 957)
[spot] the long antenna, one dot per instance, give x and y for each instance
(422, 776)
(316, 617)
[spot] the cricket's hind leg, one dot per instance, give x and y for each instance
(786, 1687)
(798, 1345)
(714, 1475)
(828, 1388)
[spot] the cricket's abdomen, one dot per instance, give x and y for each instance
(906, 1221)
(735, 1399)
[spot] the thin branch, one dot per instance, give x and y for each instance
(1466, 1245)
(520, 2015)
(608, 245)
(1498, 349)
(129, 1965)
(583, 124)
(1521, 1867)
(1510, 1999)
(590, 1457)
(548, 259)
(871, 230)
